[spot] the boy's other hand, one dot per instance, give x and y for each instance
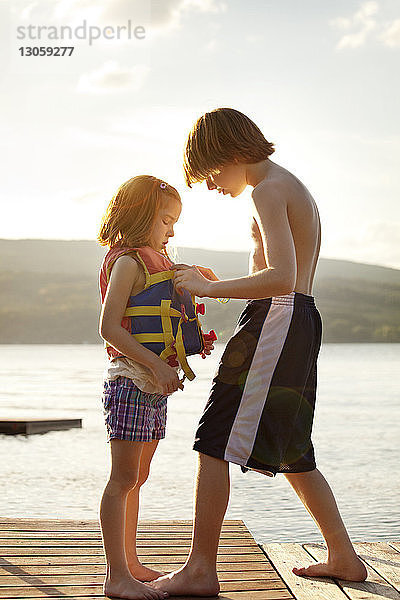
(190, 278)
(208, 273)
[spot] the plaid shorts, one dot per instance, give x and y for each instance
(131, 414)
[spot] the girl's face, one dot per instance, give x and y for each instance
(163, 227)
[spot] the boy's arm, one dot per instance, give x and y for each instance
(278, 278)
(123, 275)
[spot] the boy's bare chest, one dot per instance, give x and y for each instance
(258, 259)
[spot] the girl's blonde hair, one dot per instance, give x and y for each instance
(218, 138)
(130, 215)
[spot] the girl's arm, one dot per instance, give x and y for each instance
(123, 276)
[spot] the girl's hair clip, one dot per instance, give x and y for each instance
(163, 185)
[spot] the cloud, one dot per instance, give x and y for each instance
(212, 46)
(360, 26)
(111, 77)
(26, 12)
(168, 14)
(363, 25)
(157, 13)
(391, 35)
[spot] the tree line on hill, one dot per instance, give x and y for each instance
(40, 304)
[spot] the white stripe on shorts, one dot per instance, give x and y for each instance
(269, 348)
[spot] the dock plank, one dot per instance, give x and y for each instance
(32, 584)
(79, 524)
(234, 570)
(67, 559)
(98, 559)
(142, 542)
(374, 588)
(149, 535)
(68, 576)
(142, 551)
(383, 558)
(88, 593)
(286, 556)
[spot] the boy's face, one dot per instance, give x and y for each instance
(231, 179)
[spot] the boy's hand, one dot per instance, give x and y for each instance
(191, 279)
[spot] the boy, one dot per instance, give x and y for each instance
(260, 411)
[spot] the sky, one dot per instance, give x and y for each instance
(318, 77)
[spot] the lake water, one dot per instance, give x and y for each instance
(61, 474)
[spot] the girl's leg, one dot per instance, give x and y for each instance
(316, 495)
(132, 511)
(119, 582)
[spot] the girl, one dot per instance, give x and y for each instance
(141, 216)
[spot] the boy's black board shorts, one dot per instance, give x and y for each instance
(261, 406)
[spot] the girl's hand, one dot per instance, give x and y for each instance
(166, 378)
(208, 346)
(191, 279)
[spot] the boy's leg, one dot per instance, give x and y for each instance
(316, 495)
(124, 474)
(198, 577)
(132, 511)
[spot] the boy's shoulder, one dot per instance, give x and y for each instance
(271, 192)
(278, 189)
(277, 179)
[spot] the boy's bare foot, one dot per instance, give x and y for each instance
(142, 573)
(131, 589)
(349, 571)
(188, 581)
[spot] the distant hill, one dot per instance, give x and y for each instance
(48, 294)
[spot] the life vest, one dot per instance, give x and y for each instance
(159, 317)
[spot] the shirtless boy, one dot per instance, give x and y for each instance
(260, 411)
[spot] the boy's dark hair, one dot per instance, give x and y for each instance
(218, 138)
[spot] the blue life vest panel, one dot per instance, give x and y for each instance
(160, 318)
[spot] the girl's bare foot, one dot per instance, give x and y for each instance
(353, 570)
(142, 573)
(188, 581)
(131, 589)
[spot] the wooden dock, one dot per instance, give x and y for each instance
(64, 558)
(31, 425)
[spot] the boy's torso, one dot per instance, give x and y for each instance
(304, 224)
